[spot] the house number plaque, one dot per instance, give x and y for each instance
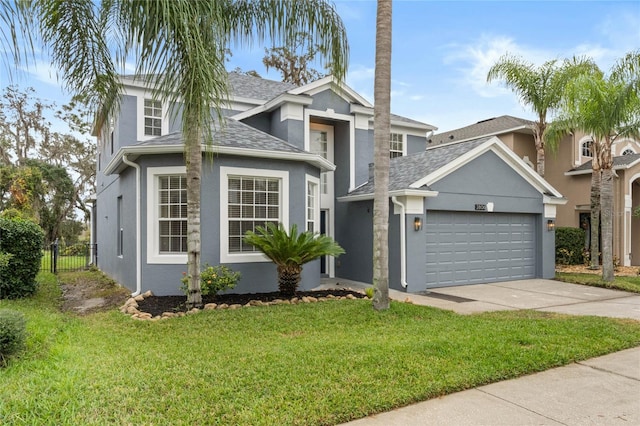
(481, 207)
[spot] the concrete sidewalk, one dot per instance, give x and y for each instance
(599, 391)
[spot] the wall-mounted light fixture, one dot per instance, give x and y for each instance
(551, 225)
(417, 223)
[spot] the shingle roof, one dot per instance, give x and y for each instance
(400, 118)
(403, 171)
(619, 162)
(491, 126)
(233, 134)
(246, 86)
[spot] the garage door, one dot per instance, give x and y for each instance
(473, 248)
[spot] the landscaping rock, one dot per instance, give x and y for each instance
(147, 293)
(210, 306)
(139, 298)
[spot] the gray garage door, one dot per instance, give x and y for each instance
(472, 248)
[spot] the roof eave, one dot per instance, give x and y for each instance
(116, 165)
(394, 193)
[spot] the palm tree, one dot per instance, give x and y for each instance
(607, 109)
(179, 46)
(289, 251)
(539, 87)
(381, 131)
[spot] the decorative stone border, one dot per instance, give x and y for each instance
(131, 305)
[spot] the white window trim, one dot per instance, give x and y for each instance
(225, 172)
(316, 205)
(153, 245)
(140, 106)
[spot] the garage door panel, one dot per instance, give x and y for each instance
(470, 248)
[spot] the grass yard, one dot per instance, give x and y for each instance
(626, 283)
(311, 364)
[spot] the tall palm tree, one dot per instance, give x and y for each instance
(381, 131)
(539, 87)
(607, 108)
(179, 46)
(290, 250)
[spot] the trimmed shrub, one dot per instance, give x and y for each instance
(22, 239)
(213, 279)
(78, 249)
(13, 333)
(570, 246)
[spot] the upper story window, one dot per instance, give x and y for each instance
(628, 151)
(152, 117)
(396, 145)
(586, 150)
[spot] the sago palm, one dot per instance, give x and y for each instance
(290, 250)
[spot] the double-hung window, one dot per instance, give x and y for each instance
(167, 224)
(249, 198)
(152, 117)
(396, 145)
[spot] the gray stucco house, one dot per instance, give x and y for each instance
(461, 213)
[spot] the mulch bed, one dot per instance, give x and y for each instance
(157, 305)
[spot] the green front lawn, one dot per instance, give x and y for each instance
(312, 364)
(619, 283)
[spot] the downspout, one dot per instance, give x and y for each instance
(403, 242)
(126, 161)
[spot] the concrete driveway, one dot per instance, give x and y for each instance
(537, 294)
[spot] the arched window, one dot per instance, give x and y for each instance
(628, 151)
(587, 148)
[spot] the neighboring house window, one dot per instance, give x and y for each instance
(167, 215)
(249, 198)
(120, 243)
(152, 117)
(628, 151)
(396, 145)
(587, 148)
(313, 204)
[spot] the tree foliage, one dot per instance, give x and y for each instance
(539, 87)
(45, 173)
(293, 60)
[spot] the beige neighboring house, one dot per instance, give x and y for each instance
(568, 169)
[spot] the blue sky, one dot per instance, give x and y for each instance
(443, 49)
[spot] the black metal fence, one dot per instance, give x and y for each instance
(60, 257)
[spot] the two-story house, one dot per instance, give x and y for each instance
(460, 214)
(568, 168)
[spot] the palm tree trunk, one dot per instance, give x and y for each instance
(288, 279)
(193, 148)
(606, 197)
(382, 129)
(594, 250)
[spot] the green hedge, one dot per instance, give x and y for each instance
(13, 333)
(570, 246)
(23, 240)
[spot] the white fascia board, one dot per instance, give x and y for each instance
(396, 193)
(330, 82)
(501, 150)
(274, 103)
(500, 132)
(554, 200)
(136, 151)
